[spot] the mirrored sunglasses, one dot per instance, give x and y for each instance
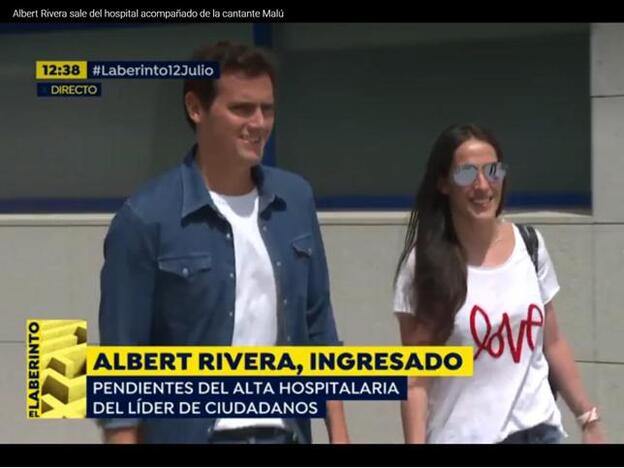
(466, 174)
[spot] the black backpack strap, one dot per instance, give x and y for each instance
(529, 236)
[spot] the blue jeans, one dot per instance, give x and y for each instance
(253, 435)
(541, 434)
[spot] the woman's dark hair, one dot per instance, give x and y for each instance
(233, 57)
(440, 276)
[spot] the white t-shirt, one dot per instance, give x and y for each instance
(255, 311)
(502, 319)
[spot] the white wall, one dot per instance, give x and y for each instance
(52, 266)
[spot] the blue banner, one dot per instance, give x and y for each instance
(144, 397)
(65, 89)
(153, 70)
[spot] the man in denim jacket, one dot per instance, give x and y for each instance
(220, 251)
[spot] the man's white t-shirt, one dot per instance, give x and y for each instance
(255, 312)
(502, 319)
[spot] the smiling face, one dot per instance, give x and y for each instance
(239, 122)
(480, 198)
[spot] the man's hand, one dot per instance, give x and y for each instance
(336, 423)
(122, 435)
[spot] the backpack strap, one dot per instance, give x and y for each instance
(529, 236)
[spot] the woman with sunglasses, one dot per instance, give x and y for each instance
(465, 277)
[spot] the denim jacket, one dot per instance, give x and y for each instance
(169, 276)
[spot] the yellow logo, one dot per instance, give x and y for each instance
(56, 352)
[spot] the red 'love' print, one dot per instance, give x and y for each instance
(534, 318)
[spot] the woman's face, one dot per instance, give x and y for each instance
(475, 181)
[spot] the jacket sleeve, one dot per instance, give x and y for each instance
(127, 284)
(319, 314)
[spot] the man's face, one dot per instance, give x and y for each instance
(238, 123)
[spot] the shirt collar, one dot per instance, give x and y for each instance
(196, 196)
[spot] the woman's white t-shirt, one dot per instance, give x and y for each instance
(502, 319)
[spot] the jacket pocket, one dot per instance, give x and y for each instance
(186, 266)
(303, 245)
